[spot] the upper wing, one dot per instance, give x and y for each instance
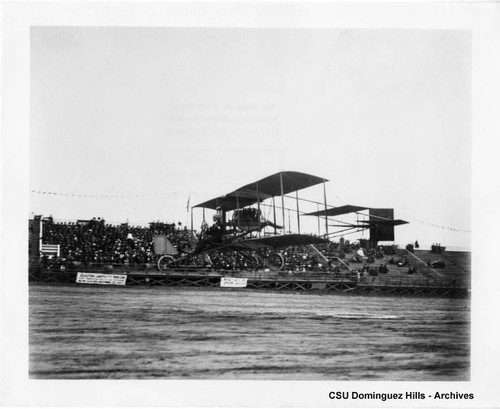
(262, 189)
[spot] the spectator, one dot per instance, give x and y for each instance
(98, 242)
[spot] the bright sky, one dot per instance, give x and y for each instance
(162, 114)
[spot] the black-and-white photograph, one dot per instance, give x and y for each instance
(249, 204)
(252, 203)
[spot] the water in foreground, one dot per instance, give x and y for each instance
(91, 332)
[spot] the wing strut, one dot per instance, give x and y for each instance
(326, 215)
(274, 217)
(258, 204)
(238, 205)
(298, 213)
(319, 224)
(283, 202)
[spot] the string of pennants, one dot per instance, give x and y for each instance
(423, 222)
(442, 227)
(129, 196)
(82, 195)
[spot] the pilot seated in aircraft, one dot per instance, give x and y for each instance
(215, 231)
(212, 235)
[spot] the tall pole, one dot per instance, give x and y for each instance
(298, 215)
(40, 237)
(282, 201)
(326, 215)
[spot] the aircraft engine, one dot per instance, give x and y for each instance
(247, 219)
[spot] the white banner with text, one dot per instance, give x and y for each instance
(96, 278)
(233, 282)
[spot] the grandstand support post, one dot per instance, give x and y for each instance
(282, 201)
(298, 214)
(326, 216)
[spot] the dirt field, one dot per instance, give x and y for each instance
(190, 333)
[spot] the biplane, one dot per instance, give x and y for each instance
(240, 225)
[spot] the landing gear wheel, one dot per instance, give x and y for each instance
(166, 263)
(276, 262)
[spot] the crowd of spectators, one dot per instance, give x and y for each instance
(95, 242)
(334, 256)
(296, 259)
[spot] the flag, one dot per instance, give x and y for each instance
(189, 199)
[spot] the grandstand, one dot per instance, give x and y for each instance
(95, 244)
